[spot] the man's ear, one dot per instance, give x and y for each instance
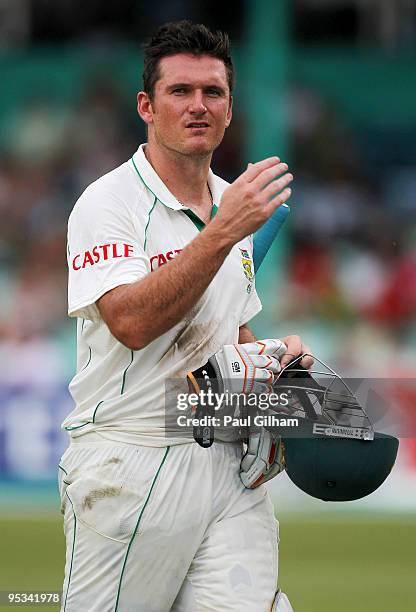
(144, 107)
(229, 113)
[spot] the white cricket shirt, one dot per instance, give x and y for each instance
(124, 226)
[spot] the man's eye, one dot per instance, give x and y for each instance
(179, 90)
(213, 92)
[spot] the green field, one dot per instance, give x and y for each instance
(327, 563)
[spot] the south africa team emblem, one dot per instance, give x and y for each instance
(247, 264)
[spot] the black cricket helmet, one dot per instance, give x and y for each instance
(334, 454)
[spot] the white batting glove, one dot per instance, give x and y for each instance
(240, 368)
(263, 460)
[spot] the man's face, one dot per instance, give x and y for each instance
(191, 106)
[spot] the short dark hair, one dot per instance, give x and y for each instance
(184, 37)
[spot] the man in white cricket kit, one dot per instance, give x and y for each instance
(157, 255)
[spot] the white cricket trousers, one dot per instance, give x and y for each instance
(157, 529)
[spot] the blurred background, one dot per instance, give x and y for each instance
(330, 86)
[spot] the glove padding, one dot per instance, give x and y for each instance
(240, 368)
(264, 458)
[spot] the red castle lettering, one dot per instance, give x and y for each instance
(162, 258)
(101, 252)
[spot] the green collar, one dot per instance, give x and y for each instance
(196, 220)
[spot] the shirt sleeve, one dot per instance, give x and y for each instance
(105, 250)
(252, 308)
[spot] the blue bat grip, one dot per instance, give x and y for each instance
(264, 237)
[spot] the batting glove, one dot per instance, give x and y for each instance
(263, 460)
(240, 368)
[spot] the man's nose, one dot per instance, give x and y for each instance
(197, 105)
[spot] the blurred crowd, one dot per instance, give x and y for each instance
(49, 155)
(351, 267)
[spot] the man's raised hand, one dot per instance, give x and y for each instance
(252, 198)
